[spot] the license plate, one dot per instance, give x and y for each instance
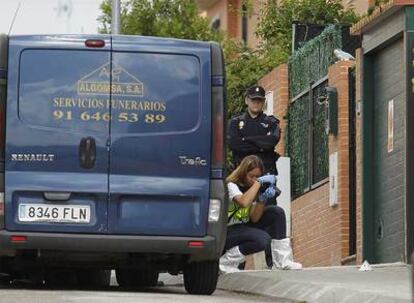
(54, 213)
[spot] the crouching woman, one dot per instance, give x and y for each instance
(252, 225)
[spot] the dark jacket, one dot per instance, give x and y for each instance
(254, 136)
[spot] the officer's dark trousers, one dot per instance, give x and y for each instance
(255, 237)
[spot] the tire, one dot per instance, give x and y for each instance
(94, 278)
(136, 278)
(200, 278)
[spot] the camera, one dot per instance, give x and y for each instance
(264, 186)
(271, 201)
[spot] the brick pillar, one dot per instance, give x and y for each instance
(358, 99)
(338, 75)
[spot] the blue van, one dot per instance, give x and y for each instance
(112, 157)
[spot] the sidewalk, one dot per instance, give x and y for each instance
(385, 283)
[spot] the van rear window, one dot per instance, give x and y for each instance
(49, 93)
(136, 92)
(166, 94)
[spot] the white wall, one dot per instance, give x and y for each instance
(283, 182)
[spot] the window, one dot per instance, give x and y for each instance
(244, 23)
(215, 23)
(50, 94)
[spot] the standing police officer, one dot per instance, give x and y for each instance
(254, 132)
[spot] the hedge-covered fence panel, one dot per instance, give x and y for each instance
(307, 140)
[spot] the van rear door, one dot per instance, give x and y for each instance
(57, 131)
(160, 137)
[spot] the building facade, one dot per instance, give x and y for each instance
(363, 209)
(227, 15)
(385, 99)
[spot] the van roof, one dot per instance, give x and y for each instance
(151, 39)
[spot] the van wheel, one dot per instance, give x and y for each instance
(136, 278)
(200, 278)
(94, 278)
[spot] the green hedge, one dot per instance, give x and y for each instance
(310, 63)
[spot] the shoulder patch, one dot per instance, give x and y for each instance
(272, 119)
(240, 116)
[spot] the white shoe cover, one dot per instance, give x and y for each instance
(230, 261)
(282, 255)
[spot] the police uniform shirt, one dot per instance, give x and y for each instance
(254, 136)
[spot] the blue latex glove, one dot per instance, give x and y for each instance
(272, 201)
(270, 192)
(271, 179)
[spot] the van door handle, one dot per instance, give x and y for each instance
(87, 152)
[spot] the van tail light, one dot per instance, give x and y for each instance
(18, 239)
(95, 43)
(193, 244)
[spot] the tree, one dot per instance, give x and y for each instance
(244, 66)
(165, 18)
(275, 27)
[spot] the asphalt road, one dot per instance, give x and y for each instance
(172, 291)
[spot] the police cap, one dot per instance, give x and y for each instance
(256, 92)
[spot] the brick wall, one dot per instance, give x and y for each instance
(320, 232)
(233, 18)
(316, 229)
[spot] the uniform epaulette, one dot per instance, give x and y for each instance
(273, 119)
(239, 116)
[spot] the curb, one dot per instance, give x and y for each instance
(278, 284)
